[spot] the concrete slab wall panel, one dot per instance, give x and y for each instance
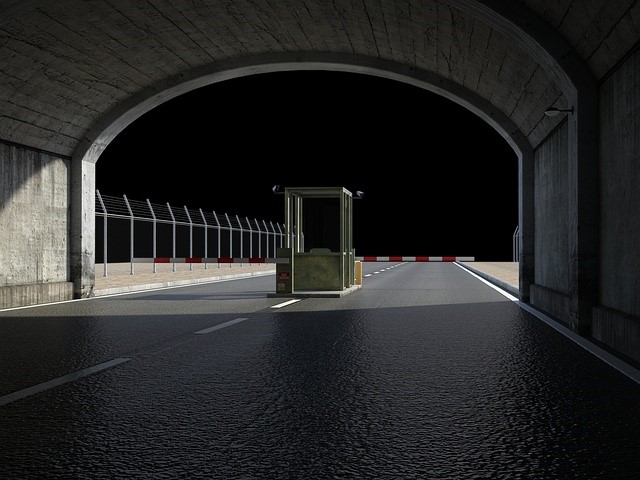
(617, 321)
(34, 224)
(551, 193)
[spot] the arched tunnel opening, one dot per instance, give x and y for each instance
(438, 180)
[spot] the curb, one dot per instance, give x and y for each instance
(176, 283)
(499, 283)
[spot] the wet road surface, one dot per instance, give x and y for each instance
(425, 372)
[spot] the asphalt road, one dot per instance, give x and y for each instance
(425, 372)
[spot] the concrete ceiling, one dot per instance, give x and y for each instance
(67, 65)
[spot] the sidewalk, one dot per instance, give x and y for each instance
(119, 278)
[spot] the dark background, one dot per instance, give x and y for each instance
(437, 179)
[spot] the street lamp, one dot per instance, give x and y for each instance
(553, 111)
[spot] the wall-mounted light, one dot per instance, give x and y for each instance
(359, 194)
(275, 189)
(553, 111)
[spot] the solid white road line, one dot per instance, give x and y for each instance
(613, 361)
(496, 288)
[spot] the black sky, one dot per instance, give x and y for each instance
(437, 179)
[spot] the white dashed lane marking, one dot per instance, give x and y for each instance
(71, 377)
(284, 304)
(222, 325)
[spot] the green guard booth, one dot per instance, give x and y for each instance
(319, 271)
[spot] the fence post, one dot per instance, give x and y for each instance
(241, 235)
(173, 222)
(281, 235)
(190, 238)
(219, 236)
(250, 239)
(230, 240)
(275, 236)
(266, 243)
(259, 238)
(104, 235)
(153, 215)
(131, 232)
(206, 241)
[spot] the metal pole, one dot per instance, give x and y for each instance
(299, 244)
(267, 240)
(241, 236)
(190, 237)
(273, 229)
(259, 238)
(104, 235)
(173, 221)
(218, 223)
(281, 236)
(206, 241)
(131, 231)
(250, 239)
(230, 239)
(288, 215)
(153, 215)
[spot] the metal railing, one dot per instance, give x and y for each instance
(516, 244)
(231, 234)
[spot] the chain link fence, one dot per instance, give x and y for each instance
(132, 230)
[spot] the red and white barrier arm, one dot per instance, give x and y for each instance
(286, 260)
(414, 259)
(209, 260)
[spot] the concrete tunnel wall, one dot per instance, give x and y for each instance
(34, 227)
(616, 321)
(616, 315)
(551, 226)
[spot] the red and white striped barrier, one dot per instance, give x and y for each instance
(286, 260)
(415, 259)
(209, 260)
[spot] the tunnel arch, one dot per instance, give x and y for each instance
(119, 118)
(116, 120)
(533, 35)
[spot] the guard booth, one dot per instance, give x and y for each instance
(321, 269)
